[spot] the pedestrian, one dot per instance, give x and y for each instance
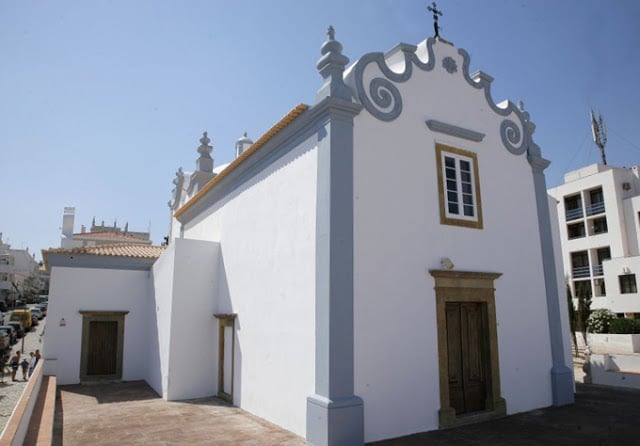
(4, 357)
(14, 362)
(32, 363)
(38, 356)
(24, 364)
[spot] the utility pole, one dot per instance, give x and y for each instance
(599, 130)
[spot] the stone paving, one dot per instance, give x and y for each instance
(601, 415)
(131, 413)
(10, 391)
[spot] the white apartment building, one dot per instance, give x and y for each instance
(599, 215)
(16, 265)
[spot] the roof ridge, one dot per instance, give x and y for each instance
(291, 116)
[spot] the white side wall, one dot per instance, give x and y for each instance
(266, 231)
(75, 289)
(615, 300)
(398, 238)
(193, 354)
(161, 291)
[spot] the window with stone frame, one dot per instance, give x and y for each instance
(458, 187)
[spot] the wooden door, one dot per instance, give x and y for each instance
(225, 358)
(466, 340)
(102, 348)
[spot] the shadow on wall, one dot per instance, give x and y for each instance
(614, 370)
(224, 305)
(154, 373)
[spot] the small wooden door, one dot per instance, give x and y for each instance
(467, 355)
(225, 356)
(102, 351)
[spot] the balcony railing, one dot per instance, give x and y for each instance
(581, 271)
(573, 214)
(597, 270)
(595, 208)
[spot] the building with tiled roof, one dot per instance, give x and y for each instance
(312, 286)
(143, 254)
(98, 234)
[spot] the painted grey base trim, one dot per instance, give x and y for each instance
(336, 423)
(453, 130)
(99, 262)
(562, 381)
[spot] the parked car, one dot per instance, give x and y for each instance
(13, 336)
(5, 341)
(43, 308)
(17, 325)
(23, 316)
(35, 312)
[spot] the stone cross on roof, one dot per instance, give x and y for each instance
(436, 13)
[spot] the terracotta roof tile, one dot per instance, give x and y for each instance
(115, 250)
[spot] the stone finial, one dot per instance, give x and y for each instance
(205, 163)
(205, 149)
(331, 33)
(331, 66)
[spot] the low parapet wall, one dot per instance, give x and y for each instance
(620, 370)
(15, 432)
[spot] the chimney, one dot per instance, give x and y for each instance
(243, 144)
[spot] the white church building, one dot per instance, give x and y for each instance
(315, 286)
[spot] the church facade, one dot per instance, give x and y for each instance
(350, 299)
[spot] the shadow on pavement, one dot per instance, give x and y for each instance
(600, 416)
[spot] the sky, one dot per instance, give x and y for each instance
(102, 101)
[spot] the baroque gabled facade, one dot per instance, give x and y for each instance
(312, 285)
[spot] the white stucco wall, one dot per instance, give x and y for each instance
(266, 231)
(161, 292)
(193, 359)
(74, 289)
(615, 300)
(183, 363)
(398, 238)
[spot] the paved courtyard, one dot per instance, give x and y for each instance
(132, 413)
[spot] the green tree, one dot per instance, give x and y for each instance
(572, 316)
(583, 294)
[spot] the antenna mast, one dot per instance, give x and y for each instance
(599, 130)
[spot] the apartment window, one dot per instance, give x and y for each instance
(596, 196)
(4, 277)
(600, 225)
(582, 288)
(580, 264)
(576, 230)
(603, 254)
(628, 283)
(458, 187)
(573, 207)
